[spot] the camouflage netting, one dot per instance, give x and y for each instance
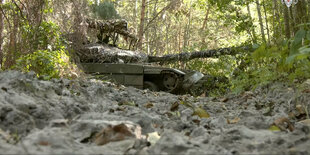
(98, 53)
(108, 26)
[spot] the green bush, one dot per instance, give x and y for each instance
(267, 64)
(47, 55)
(42, 37)
(49, 64)
(288, 62)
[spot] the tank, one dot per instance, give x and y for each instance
(145, 76)
(129, 67)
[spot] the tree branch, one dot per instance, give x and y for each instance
(161, 11)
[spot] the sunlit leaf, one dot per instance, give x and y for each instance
(201, 113)
(274, 128)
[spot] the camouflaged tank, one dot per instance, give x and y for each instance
(130, 68)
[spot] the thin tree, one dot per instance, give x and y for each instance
(276, 23)
(260, 21)
(301, 12)
(293, 21)
(187, 27)
(266, 20)
(1, 35)
(140, 33)
(204, 25)
(286, 23)
(10, 56)
(252, 28)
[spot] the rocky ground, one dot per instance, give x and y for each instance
(92, 117)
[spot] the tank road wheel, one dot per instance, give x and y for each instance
(150, 85)
(170, 81)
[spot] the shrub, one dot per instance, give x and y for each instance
(49, 64)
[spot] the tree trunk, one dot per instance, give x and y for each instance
(140, 33)
(266, 20)
(301, 9)
(157, 15)
(167, 35)
(292, 21)
(154, 48)
(147, 32)
(187, 28)
(252, 28)
(135, 12)
(1, 36)
(204, 25)
(260, 21)
(276, 21)
(287, 23)
(10, 56)
(308, 5)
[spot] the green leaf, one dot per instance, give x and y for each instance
(201, 113)
(308, 35)
(301, 56)
(299, 36)
(297, 41)
(304, 50)
(274, 128)
(290, 59)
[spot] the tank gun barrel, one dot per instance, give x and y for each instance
(185, 56)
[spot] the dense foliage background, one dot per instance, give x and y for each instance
(43, 35)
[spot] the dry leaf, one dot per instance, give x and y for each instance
(196, 121)
(306, 91)
(156, 125)
(300, 109)
(148, 105)
(4, 89)
(234, 121)
(44, 143)
(132, 103)
(284, 123)
(224, 99)
(5, 135)
(305, 122)
(224, 107)
(174, 106)
(113, 133)
(247, 94)
(291, 115)
(120, 109)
